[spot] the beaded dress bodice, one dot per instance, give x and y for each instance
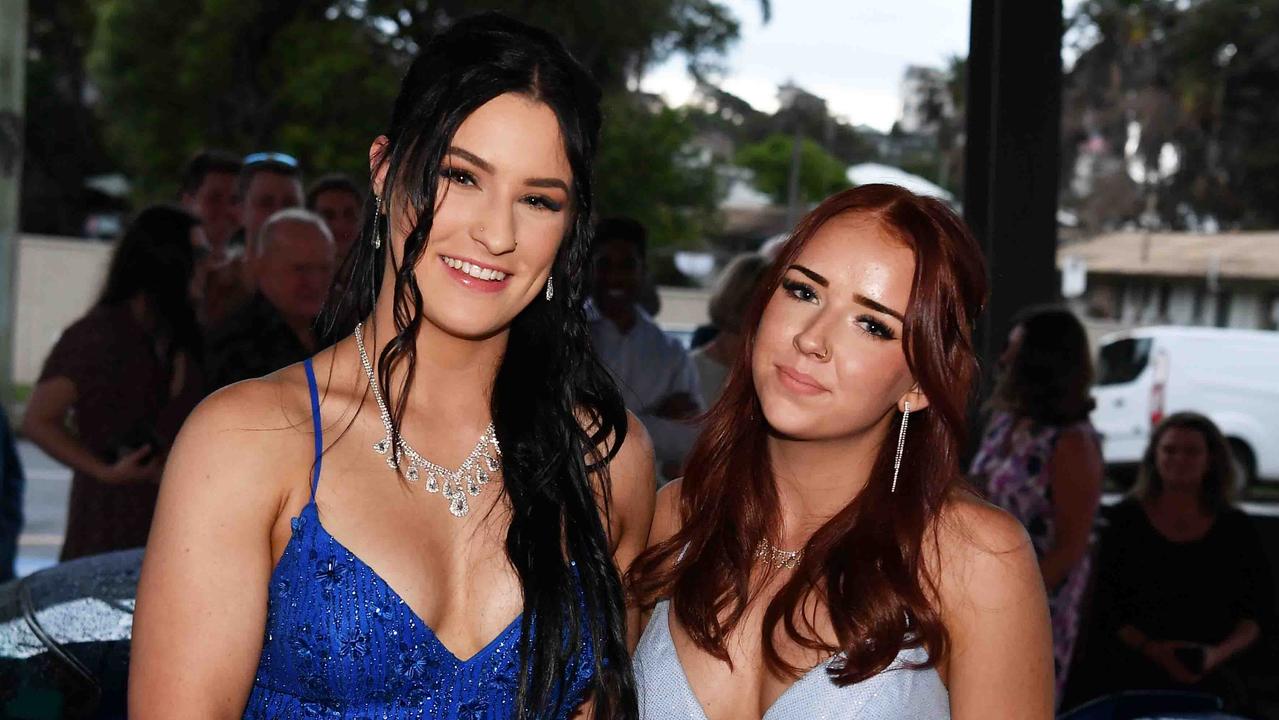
(341, 643)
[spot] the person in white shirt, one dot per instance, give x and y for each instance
(653, 371)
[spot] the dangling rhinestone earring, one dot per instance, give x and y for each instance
(550, 288)
(377, 220)
(901, 445)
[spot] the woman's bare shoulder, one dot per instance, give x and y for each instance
(247, 431)
(983, 555)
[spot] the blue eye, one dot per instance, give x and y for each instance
(800, 291)
(875, 328)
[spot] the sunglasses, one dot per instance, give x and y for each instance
(270, 157)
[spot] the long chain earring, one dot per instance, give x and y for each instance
(550, 288)
(901, 445)
(377, 220)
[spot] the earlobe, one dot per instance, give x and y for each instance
(917, 399)
(377, 168)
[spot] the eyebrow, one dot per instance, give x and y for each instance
(861, 299)
(486, 166)
(880, 307)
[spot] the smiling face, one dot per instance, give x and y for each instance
(828, 360)
(1181, 457)
(502, 209)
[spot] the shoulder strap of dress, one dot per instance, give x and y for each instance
(316, 426)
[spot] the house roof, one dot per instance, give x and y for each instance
(1238, 255)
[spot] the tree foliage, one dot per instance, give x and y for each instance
(62, 140)
(1190, 81)
(648, 170)
(820, 173)
(279, 75)
(316, 78)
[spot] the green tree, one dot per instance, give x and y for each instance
(646, 169)
(63, 142)
(820, 173)
(1197, 78)
(249, 76)
(317, 77)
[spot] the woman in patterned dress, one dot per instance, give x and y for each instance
(1040, 459)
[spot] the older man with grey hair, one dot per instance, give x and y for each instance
(292, 264)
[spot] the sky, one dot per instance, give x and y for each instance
(850, 52)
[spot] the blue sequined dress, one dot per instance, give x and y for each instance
(341, 643)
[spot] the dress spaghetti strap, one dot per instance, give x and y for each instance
(315, 425)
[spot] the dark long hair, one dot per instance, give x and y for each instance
(1217, 488)
(1050, 377)
(867, 563)
(154, 258)
(554, 406)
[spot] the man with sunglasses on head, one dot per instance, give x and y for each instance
(268, 182)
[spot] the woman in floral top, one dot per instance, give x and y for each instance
(1040, 458)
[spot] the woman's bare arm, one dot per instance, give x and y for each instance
(993, 603)
(634, 491)
(202, 597)
(45, 424)
(1075, 471)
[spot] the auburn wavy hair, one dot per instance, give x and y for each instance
(867, 563)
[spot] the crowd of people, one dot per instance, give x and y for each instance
(774, 522)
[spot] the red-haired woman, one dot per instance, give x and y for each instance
(821, 556)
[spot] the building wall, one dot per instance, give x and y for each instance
(57, 280)
(1131, 301)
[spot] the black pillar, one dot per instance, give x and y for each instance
(1014, 151)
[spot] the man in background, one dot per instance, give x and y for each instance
(294, 266)
(336, 199)
(657, 379)
(209, 192)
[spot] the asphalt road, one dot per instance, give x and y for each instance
(48, 484)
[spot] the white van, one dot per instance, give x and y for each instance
(1232, 376)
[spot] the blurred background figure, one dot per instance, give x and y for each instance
(655, 374)
(293, 269)
(119, 382)
(1040, 458)
(268, 182)
(336, 198)
(12, 486)
(727, 305)
(1183, 587)
(209, 193)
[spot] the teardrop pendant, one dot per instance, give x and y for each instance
(458, 506)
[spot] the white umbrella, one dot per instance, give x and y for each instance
(868, 173)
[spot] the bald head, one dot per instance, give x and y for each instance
(295, 263)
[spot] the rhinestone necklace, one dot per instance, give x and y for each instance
(453, 485)
(788, 559)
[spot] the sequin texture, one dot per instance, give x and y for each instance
(340, 643)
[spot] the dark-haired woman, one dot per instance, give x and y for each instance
(120, 381)
(1040, 458)
(1183, 584)
(422, 521)
(821, 557)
